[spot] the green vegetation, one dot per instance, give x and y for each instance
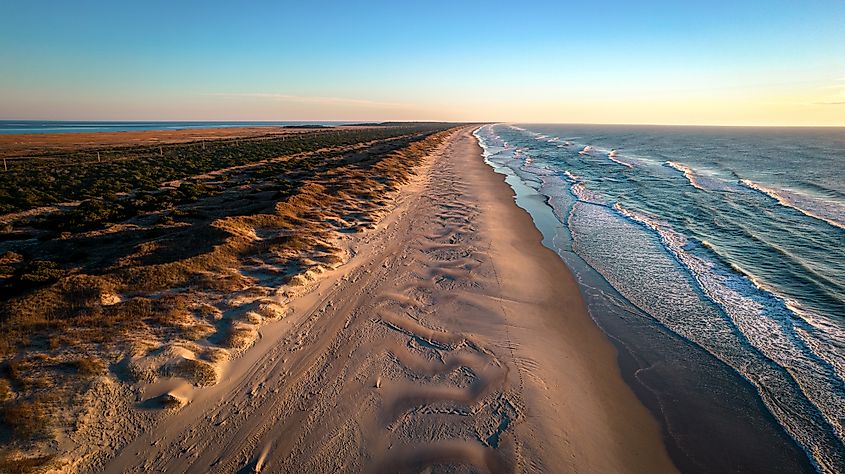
(46, 180)
(97, 212)
(52, 274)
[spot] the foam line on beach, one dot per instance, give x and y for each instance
(752, 339)
(786, 353)
(777, 338)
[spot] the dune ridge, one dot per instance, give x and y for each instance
(167, 316)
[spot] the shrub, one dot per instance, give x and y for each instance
(16, 463)
(26, 418)
(41, 271)
(5, 390)
(89, 366)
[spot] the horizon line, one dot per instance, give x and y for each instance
(733, 125)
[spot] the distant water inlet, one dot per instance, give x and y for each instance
(731, 238)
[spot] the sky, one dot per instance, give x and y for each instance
(680, 62)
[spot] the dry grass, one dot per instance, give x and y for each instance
(238, 337)
(89, 366)
(26, 419)
(152, 287)
(198, 372)
(5, 390)
(14, 461)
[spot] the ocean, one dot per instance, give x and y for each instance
(731, 241)
(48, 126)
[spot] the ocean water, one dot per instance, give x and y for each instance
(48, 126)
(731, 238)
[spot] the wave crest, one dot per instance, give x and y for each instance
(687, 172)
(803, 204)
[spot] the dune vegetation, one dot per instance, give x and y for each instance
(163, 261)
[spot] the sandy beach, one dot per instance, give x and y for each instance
(281, 237)
(451, 337)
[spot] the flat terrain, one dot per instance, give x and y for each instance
(40, 144)
(64, 169)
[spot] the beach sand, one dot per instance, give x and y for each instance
(451, 337)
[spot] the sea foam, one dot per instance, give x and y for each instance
(810, 207)
(765, 319)
(724, 299)
(687, 172)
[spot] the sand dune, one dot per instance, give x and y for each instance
(451, 339)
(194, 292)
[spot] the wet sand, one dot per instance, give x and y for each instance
(713, 419)
(452, 337)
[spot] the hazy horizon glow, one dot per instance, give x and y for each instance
(719, 63)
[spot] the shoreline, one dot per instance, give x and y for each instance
(636, 431)
(446, 338)
(537, 370)
(681, 384)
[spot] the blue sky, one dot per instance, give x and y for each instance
(620, 62)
